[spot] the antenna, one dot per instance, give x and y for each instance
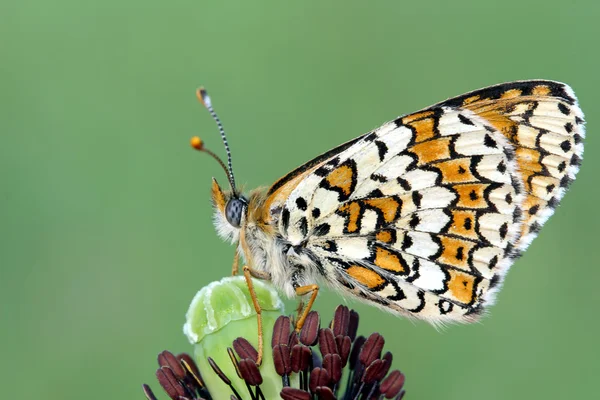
(198, 144)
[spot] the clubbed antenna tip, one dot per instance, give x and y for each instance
(197, 143)
(203, 97)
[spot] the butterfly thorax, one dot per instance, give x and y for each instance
(260, 243)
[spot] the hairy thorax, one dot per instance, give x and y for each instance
(263, 248)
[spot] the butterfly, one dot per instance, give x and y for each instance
(422, 216)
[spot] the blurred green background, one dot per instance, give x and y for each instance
(106, 230)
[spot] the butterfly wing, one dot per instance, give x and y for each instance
(426, 214)
(544, 123)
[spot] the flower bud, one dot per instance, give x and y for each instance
(219, 314)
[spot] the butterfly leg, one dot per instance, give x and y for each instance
(235, 268)
(301, 291)
(248, 274)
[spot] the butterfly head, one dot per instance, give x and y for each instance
(230, 205)
(230, 210)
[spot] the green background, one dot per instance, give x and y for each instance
(105, 217)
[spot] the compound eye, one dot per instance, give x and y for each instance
(234, 210)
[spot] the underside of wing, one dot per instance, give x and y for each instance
(426, 214)
(544, 123)
(279, 192)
